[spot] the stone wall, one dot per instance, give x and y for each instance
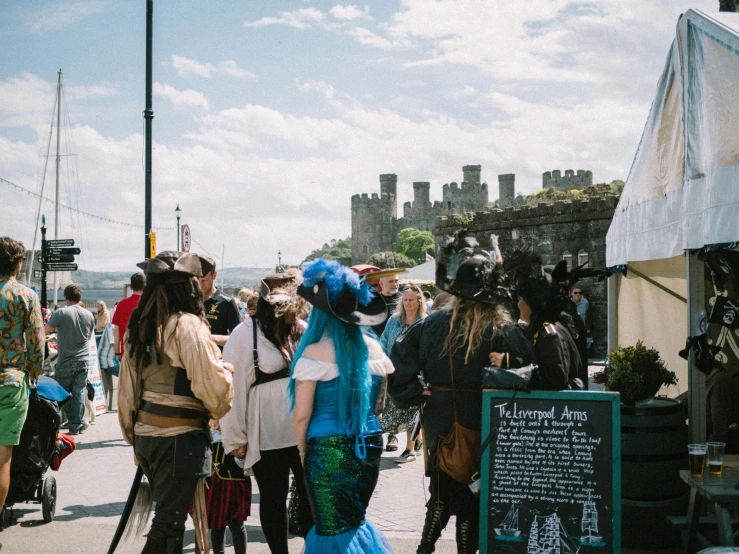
(554, 230)
(373, 220)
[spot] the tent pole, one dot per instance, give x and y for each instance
(612, 296)
(696, 379)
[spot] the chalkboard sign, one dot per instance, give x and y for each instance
(551, 473)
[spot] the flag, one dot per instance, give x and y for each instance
(429, 257)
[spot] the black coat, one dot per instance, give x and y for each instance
(419, 351)
(557, 356)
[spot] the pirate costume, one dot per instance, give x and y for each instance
(454, 377)
(164, 407)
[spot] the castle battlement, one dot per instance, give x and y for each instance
(554, 179)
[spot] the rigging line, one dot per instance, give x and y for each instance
(106, 219)
(43, 185)
(203, 248)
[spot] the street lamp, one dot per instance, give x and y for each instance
(177, 211)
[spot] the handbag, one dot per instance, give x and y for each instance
(458, 454)
(224, 464)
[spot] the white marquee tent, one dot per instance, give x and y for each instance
(682, 194)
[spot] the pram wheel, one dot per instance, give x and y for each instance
(48, 499)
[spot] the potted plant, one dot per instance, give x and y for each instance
(637, 372)
(653, 444)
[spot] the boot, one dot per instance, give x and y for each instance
(467, 536)
(437, 516)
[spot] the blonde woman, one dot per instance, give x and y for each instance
(411, 308)
(102, 317)
(448, 350)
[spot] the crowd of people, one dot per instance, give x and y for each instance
(301, 377)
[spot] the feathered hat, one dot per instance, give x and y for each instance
(465, 270)
(339, 291)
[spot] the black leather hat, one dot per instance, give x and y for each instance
(347, 307)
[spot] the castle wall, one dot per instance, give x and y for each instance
(551, 231)
(373, 220)
(555, 180)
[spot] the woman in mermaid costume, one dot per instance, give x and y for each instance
(337, 377)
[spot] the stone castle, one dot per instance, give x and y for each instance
(375, 222)
(559, 227)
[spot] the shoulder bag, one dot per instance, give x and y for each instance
(458, 454)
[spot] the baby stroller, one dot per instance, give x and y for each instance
(37, 448)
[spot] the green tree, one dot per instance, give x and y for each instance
(415, 244)
(334, 250)
(386, 260)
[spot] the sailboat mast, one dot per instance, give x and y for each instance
(56, 196)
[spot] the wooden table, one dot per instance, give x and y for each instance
(722, 492)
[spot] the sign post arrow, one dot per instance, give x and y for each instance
(61, 267)
(59, 243)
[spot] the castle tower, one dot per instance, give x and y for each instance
(373, 220)
(421, 198)
(471, 174)
(506, 190)
(554, 180)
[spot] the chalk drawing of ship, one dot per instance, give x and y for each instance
(589, 526)
(548, 536)
(509, 526)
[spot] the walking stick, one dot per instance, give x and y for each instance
(127, 510)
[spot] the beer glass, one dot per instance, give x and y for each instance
(697, 457)
(716, 458)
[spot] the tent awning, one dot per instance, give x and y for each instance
(683, 188)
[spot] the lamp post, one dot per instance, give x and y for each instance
(177, 211)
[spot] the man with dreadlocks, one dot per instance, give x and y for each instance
(448, 350)
(172, 380)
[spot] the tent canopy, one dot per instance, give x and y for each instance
(683, 188)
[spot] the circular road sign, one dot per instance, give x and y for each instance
(186, 238)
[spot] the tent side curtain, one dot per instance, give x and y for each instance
(683, 188)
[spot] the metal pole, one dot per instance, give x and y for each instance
(177, 211)
(696, 379)
(612, 313)
(44, 299)
(148, 116)
(56, 200)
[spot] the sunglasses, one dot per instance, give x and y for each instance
(576, 292)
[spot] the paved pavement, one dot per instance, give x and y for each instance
(93, 483)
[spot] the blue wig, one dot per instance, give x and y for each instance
(352, 355)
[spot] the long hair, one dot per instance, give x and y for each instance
(471, 323)
(163, 296)
(280, 327)
(421, 303)
(352, 357)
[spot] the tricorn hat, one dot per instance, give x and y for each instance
(467, 271)
(337, 290)
(276, 288)
(173, 263)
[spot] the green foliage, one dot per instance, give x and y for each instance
(334, 250)
(575, 192)
(617, 185)
(386, 260)
(637, 372)
(415, 244)
(465, 220)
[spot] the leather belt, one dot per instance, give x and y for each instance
(170, 411)
(163, 421)
(262, 377)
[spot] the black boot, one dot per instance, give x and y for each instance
(437, 516)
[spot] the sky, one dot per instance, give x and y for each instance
(270, 115)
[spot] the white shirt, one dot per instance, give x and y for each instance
(260, 416)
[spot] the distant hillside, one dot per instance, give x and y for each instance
(232, 276)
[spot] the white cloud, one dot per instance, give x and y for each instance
(181, 98)
(94, 91)
(348, 13)
(300, 19)
(63, 14)
(368, 38)
(186, 66)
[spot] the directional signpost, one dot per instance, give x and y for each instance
(56, 255)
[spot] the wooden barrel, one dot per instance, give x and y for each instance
(654, 439)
